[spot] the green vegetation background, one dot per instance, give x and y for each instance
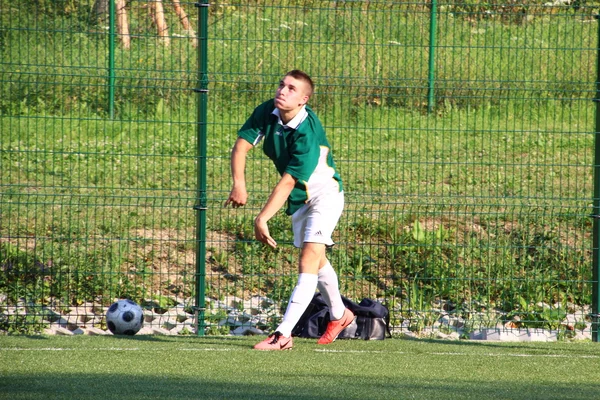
(482, 204)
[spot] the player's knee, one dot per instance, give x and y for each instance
(311, 257)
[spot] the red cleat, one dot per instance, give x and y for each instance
(335, 327)
(275, 341)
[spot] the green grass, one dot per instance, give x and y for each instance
(142, 367)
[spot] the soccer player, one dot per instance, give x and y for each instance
(294, 139)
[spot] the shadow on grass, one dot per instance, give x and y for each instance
(165, 367)
(132, 387)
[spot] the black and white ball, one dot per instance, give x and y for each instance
(125, 317)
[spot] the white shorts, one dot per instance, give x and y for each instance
(316, 220)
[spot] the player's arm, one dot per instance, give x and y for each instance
(238, 195)
(276, 200)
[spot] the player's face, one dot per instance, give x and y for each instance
(291, 94)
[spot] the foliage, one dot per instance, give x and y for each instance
(65, 85)
(22, 323)
(63, 279)
(537, 316)
(447, 222)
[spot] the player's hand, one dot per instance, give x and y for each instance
(237, 198)
(261, 232)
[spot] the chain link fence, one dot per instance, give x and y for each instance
(464, 134)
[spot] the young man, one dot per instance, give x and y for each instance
(294, 139)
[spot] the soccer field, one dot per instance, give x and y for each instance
(154, 367)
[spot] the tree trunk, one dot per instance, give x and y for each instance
(123, 25)
(100, 11)
(185, 22)
(158, 14)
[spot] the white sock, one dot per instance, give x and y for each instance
(329, 287)
(299, 301)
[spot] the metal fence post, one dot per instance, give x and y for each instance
(432, 44)
(596, 212)
(201, 204)
(111, 59)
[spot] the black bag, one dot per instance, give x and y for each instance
(371, 323)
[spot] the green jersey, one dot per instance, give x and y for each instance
(299, 148)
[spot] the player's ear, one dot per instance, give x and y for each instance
(307, 93)
(305, 99)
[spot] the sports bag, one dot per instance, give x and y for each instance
(371, 322)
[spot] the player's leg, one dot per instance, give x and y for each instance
(313, 255)
(329, 288)
(299, 300)
(309, 262)
(313, 227)
(328, 211)
(301, 296)
(325, 214)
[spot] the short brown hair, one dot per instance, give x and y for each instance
(302, 76)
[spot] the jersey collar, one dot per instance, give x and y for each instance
(295, 122)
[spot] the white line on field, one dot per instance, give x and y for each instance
(117, 349)
(206, 349)
(67, 349)
(461, 354)
(109, 349)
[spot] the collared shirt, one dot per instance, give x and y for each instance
(299, 148)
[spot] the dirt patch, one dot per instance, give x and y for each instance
(28, 243)
(168, 256)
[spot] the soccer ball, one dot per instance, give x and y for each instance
(125, 317)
